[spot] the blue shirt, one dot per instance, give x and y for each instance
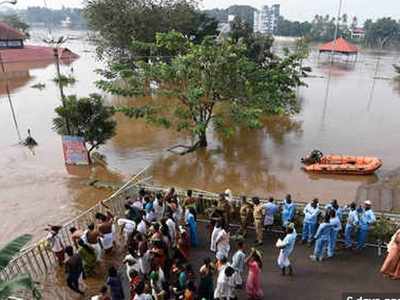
(310, 213)
(367, 218)
(238, 261)
(324, 231)
(352, 218)
(288, 211)
(336, 224)
(270, 209)
(289, 241)
(339, 211)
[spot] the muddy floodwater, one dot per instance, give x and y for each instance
(343, 110)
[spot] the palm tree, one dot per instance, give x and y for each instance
(21, 281)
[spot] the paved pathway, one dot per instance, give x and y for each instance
(326, 280)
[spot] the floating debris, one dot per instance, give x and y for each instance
(40, 86)
(30, 141)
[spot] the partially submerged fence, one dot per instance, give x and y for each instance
(38, 260)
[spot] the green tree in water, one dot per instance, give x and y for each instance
(208, 83)
(22, 281)
(88, 117)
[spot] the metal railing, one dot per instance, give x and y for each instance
(38, 259)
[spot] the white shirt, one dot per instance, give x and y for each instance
(55, 242)
(223, 246)
(172, 230)
(158, 209)
(143, 297)
(142, 227)
(214, 235)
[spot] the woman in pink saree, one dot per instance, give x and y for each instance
(253, 284)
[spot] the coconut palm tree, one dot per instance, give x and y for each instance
(21, 281)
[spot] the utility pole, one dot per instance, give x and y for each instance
(336, 30)
(3, 69)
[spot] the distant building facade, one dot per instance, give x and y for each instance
(266, 19)
(10, 38)
(357, 33)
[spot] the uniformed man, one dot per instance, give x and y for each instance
(245, 212)
(224, 208)
(258, 215)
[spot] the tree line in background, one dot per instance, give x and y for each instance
(381, 33)
(42, 16)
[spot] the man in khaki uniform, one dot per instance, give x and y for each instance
(224, 208)
(245, 212)
(258, 215)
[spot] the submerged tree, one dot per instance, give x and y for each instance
(88, 117)
(208, 83)
(22, 281)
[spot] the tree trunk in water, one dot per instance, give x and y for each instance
(203, 140)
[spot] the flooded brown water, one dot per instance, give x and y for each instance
(355, 115)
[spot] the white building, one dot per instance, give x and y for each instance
(266, 19)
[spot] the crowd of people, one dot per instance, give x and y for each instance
(159, 231)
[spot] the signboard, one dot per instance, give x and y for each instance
(75, 152)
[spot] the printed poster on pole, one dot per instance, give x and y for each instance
(75, 152)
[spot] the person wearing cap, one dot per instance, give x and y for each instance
(367, 218)
(245, 212)
(286, 247)
(258, 215)
(351, 223)
(311, 212)
(288, 210)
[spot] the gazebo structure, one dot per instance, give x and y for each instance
(340, 46)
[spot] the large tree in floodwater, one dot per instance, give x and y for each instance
(116, 24)
(215, 82)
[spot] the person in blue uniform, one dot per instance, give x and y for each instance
(366, 219)
(322, 238)
(336, 227)
(351, 223)
(311, 212)
(334, 205)
(288, 210)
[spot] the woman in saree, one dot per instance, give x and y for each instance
(253, 283)
(88, 256)
(391, 266)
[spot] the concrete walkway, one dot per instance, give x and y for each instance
(326, 280)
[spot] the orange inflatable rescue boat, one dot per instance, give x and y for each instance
(340, 164)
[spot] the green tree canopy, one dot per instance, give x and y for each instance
(140, 20)
(88, 117)
(214, 82)
(382, 32)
